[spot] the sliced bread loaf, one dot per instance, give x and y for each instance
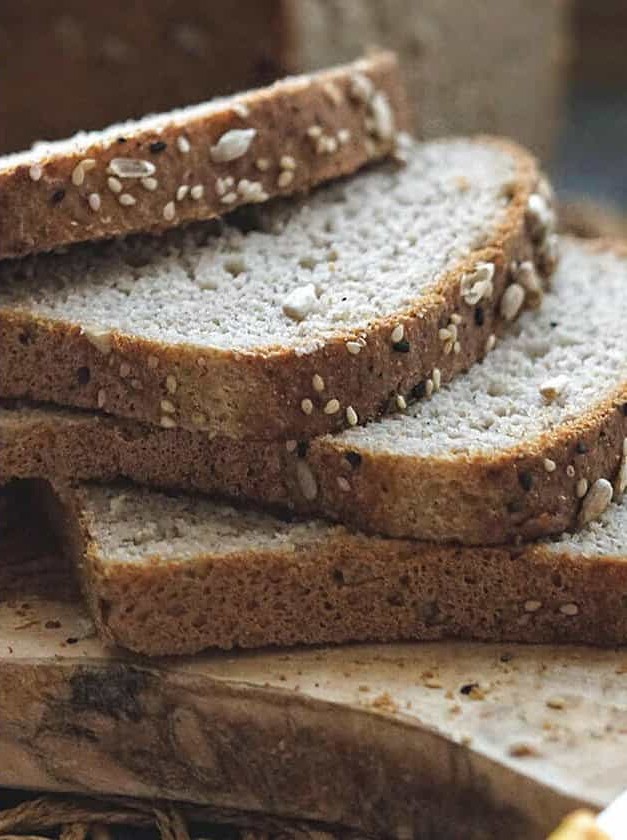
(313, 320)
(521, 447)
(200, 161)
(173, 575)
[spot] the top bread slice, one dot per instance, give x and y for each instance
(529, 443)
(305, 317)
(176, 574)
(200, 161)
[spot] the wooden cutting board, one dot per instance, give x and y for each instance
(428, 740)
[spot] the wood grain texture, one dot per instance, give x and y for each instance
(401, 740)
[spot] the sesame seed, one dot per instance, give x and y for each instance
(314, 132)
(169, 211)
(331, 145)
(287, 162)
(343, 136)
(332, 407)
(361, 87)
(444, 334)
(457, 348)
(285, 178)
(127, 200)
(78, 175)
(596, 501)
(306, 480)
(229, 198)
(570, 471)
(401, 402)
(149, 184)
(197, 192)
(171, 384)
(158, 146)
(94, 202)
(353, 347)
(125, 370)
(532, 606)
(35, 172)
(168, 407)
(168, 422)
(153, 362)
(549, 465)
(437, 378)
(291, 445)
(306, 406)
(569, 609)
(351, 416)
(182, 192)
(490, 343)
(183, 145)
(131, 168)
(317, 382)
(456, 319)
(262, 164)
(398, 333)
(114, 185)
(581, 488)
(429, 387)
(232, 145)
(102, 398)
(343, 484)
(512, 301)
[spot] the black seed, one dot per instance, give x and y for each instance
(581, 448)
(553, 324)
(121, 139)
(526, 480)
(506, 657)
(83, 375)
(479, 316)
(72, 641)
(401, 346)
(419, 390)
(58, 196)
(158, 146)
(302, 448)
(466, 689)
(353, 458)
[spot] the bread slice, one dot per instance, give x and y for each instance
(173, 575)
(513, 450)
(316, 318)
(198, 162)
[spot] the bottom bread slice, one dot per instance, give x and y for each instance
(175, 574)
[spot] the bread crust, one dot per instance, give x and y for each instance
(258, 395)
(346, 587)
(42, 207)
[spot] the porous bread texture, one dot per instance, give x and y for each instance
(201, 161)
(173, 575)
(315, 319)
(528, 474)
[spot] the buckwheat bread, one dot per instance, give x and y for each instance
(198, 162)
(173, 575)
(304, 317)
(485, 460)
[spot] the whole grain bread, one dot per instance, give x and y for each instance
(304, 317)
(198, 162)
(519, 448)
(173, 575)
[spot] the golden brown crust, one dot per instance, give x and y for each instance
(257, 395)
(42, 214)
(348, 587)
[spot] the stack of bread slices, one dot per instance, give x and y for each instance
(281, 374)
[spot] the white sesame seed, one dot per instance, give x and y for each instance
(457, 348)
(232, 144)
(332, 407)
(94, 202)
(168, 407)
(183, 144)
(306, 480)
(262, 164)
(168, 422)
(444, 334)
(285, 178)
(78, 175)
(512, 301)
(401, 402)
(314, 132)
(383, 116)
(291, 445)
(490, 343)
(114, 185)
(549, 465)
(437, 378)
(331, 145)
(343, 136)
(149, 184)
(581, 488)
(35, 172)
(429, 387)
(182, 192)
(127, 200)
(570, 471)
(343, 484)
(287, 162)
(351, 416)
(229, 198)
(532, 606)
(153, 362)
(125, 370)
(171, 384)
(131, 168)
(306, 406)
(102, 398)
(569, 609)
(456, 319)
(197, 192)
(317, 382)
(169, 211)
(397, 333)
(596, 501)
(353, 347)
